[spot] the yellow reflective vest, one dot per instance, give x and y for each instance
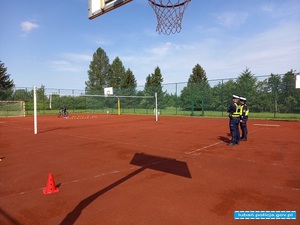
(237, 112)
(244, 110)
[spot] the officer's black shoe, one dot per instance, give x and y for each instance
(237, 142)
(243, 139)
(231, 144)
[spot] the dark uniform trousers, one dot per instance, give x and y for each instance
(234, 129)
(244, 127)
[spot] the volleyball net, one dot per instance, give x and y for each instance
(115, 104)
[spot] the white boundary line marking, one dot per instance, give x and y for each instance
(266, 125)
(208, 146)
(216, 143)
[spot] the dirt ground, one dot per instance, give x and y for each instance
(129, 170)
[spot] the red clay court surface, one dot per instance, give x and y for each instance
(132, 170)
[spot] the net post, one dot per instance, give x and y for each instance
(34, 111)
(156, 111)
(50, 101)
(119, 107)
(24, 108)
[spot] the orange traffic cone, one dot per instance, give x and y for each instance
(50, 188)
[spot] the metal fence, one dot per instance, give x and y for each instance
(272, 96)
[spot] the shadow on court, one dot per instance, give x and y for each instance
(163, 164)
(9, 218)
(53, 129)
(145, 161)
(224, 139)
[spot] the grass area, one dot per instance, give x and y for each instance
(10, 113)
(169, 112)
(256, 115)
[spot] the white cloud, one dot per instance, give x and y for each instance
(267, 8)
(104, 42)
(232, 19)
(174, 60)
(62, 65)
(276, 50)
(162, 50)
(281, 10)
(71, 62)
(77, 57)
(28, 26)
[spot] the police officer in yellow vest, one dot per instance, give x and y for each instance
(244, 118)
(234, 120)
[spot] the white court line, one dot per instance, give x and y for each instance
(266, 125)
(208, 146)
(75, 181)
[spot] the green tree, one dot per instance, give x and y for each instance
(6, 84)
(154, 85)
(268, 91)
(288, 84)
(266, 100)
(128, 83)
(98, 72)
(274, 83)
(128, 88)
(290, 103)
(246, 85)
(289, 95)
(116, 73)
(197, 90)
(21, 95)
(171, 100)
(42, 99)
(229, 89)
(218, 97)
(198, 75)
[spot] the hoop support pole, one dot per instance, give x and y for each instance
(119, 107)
(156, 111)
(34, 111)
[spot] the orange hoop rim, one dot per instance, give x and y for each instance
(169, 6)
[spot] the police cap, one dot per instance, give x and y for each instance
(243, 99)
(235, 96)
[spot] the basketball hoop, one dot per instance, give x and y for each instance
(169, 15)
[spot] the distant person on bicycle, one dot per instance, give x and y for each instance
(63, 110)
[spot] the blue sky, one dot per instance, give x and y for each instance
(51, 43)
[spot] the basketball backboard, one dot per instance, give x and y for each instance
(99, 7)
(298, 80)
(108, 91)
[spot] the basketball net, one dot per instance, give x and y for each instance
(169, 15)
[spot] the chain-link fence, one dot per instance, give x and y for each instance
(273, 96)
